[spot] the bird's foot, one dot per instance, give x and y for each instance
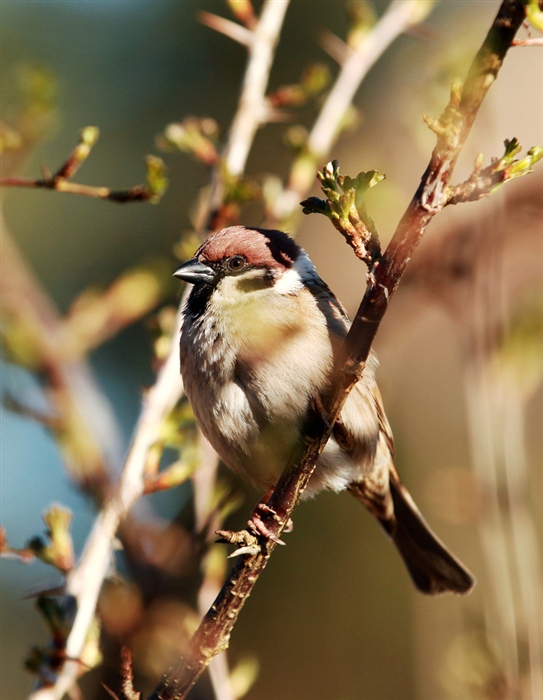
(257, 525)
(249, 540)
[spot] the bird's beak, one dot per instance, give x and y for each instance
(195, 272)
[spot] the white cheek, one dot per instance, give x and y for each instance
(292, 280)
(288, 283)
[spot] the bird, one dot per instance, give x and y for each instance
(260, 332)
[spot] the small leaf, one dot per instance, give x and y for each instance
(511, 168)
(346, 208)
(242, 11)
(315, 79)
(240, 190)
(193, 135)
(175, 474)
(10, 139)
(243, 676)
(157, 182)
(314, 205)
(59, 550)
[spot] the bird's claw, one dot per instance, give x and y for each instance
(257, 525)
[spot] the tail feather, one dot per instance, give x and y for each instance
(431, 566)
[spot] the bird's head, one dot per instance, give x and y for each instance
(240, 260)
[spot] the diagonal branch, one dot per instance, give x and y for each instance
(213, 635)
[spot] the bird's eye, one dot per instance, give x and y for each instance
(236, 263)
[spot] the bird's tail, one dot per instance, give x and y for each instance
(431, 565)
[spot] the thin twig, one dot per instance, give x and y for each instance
(252, 110)
(232, 30)
(213, 634)
(138, 193)
(528, 42)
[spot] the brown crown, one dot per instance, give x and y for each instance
(260, 247)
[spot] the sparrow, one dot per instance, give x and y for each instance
(259, 335)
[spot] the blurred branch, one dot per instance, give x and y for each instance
(496, 404)
(86, 579)
(213, 634)
(492, 529)
(528, 42)
(252, 109)
(152, 191)
(400, 16)
(35, 335)
(208, 519)
(25, 554)
(503, 370)
(232, 30)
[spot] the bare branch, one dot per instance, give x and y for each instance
(252, 107)
(252, 104)
(85, 581)
(232, 30)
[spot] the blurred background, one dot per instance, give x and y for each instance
(335, 615)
